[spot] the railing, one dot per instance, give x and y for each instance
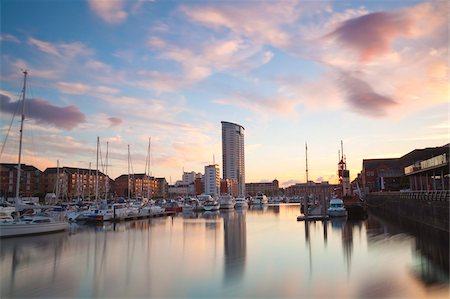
(439, 195)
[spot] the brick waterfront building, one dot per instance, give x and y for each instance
(30, 180)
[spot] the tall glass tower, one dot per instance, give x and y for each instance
(233, 154)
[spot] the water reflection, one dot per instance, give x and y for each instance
(235, 244)
(240, 254)
(16, 254)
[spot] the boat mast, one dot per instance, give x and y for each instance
(306, 152)
(25, 73)
(78, 184)
(96, 173)
(129, 172)
(106, 172)
(148, 169)
(58, 183)
(89, 182)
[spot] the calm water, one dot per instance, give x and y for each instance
(238, 254)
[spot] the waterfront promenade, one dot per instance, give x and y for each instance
(430, 208)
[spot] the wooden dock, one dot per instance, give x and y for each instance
(312, 218)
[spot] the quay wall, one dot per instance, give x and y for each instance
(428, 208)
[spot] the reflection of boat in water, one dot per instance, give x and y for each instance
(337, 208)
(210, 214)
(259, 208)
(338, 223)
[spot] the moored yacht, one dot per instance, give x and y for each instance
(192, 205)
(260, 199)
(226, 202)
(241, 202)
(211, 205)
(337, 208)
(33, 224)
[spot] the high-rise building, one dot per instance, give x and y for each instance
(233, 157)
(212, 180)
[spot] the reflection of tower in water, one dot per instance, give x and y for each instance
(235, 243)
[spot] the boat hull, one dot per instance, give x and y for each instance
(211, 208)
(337, 213)
(227, 205)
(22, 229)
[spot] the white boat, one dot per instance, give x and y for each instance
(337, 208)
(36, 224)
(33, 224)
(226, 202)
(241, 202)
(192, 205)
(260, 199)
(117, 210)
(211, 205)
(151, 210)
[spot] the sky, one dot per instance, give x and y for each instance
(371, 73)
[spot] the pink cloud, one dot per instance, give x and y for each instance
(362, 98)
(373, 34)
(110, 11)
(114, 121)
(42, 111)
(72, 87)
(261, 21)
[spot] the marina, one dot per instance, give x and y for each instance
(195, 149)
(226, 254)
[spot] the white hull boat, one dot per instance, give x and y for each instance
(226, 202)
(37, 224)
(260, 200)
(211, 205)
(241, 203)
(337, 208)
(30, 226)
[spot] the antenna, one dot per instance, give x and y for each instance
(342, 150)
(214, 159)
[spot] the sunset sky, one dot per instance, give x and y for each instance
(372, 73)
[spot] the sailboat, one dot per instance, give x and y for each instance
(35, 224)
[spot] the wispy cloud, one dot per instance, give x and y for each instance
(198, 62)
(260, 104)
(65, 50)
(72, 88)
(42, 111)
(8, 38)
(261, 21)
(110, 11)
